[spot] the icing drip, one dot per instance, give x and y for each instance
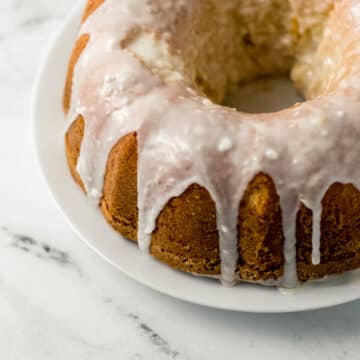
(304, 149)
(119, 89)
(316, 234)
(289, 207)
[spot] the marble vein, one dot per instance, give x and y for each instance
(156, 339)
(40, 249)
(90, 345)
(36, 20)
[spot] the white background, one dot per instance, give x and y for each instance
(58, 300)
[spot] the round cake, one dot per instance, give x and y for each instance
(269, 198)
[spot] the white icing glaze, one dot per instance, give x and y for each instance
(183, 138)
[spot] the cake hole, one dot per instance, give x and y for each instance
(231, 44)
(263, 95)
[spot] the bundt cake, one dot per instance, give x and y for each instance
(269, 198)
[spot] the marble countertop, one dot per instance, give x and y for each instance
(58, 300)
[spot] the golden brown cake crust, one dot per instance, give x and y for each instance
(78, 49)
(186, 236)
(91, 6)
(186, 233)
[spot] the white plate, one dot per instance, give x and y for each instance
(49, 127)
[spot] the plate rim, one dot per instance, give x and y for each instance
(75, 15)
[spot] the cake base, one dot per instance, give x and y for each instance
(186, 235)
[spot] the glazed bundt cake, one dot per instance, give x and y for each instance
(268, 198)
